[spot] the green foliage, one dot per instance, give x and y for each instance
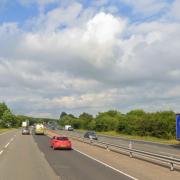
(86, 121)
(136, 122)
(8, 119)
(3, 108)
(107, 121)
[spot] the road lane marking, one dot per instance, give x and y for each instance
(7, 144)
(9, 131)
(1, 152)
(105, 164)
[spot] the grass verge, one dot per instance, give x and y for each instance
(144, 138)
(2, 130)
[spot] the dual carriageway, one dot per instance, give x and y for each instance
(30, 157)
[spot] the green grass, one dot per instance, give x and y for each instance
(144, 138)
(2, 130)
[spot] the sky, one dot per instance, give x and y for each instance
(89, 56)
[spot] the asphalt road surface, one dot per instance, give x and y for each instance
(72, 165)
(169, 150)
(20, 159)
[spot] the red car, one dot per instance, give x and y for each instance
(60, 142)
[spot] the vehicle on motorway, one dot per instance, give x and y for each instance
(39, 129)
(25, 124)
(70, 129)
(66, 127)
(25, 131)
(60, 142)
(91, 135)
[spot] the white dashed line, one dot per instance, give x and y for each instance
(11, 140)
(7, 145)
(1, 152)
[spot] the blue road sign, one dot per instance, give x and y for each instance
(178, 127)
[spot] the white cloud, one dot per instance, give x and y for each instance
(174, 12)
(79, 59)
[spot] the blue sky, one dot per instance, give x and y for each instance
(76, 56)
(17, 11)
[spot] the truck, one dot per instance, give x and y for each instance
(39, 129)
(25, 124)
(68, 127)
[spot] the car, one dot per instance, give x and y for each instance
(70, 129)
(91, 135)
(25, 131)
(60, 142)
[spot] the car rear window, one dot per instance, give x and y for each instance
(62, 138)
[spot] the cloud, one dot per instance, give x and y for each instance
(78, 58)
(173, 12)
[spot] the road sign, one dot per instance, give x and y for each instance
(178, 127)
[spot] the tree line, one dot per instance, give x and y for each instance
(10, 120)
(136, 122)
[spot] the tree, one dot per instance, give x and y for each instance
(62, 114)
(86, 120)
(8, 119)
(107, 121)
(3, 108)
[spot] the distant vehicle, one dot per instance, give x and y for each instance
(66, 127)
(60, 142)
(70, 129)
(25, 124)
(39, 129)
(25, 131)
(91, 135)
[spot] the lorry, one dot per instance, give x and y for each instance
(39, 129)
(25, 124)
(68, 128)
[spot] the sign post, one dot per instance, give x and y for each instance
(178, 126)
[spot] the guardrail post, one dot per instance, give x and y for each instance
(107, 147)
(171, 166)
(130, 154)
(130, 145)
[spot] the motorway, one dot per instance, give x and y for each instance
(21, 159)
(30, 157)
(73, 165)
(169, 150)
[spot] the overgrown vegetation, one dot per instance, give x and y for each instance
(136, 123)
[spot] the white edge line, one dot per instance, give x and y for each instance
(4, 133)
(105, 164)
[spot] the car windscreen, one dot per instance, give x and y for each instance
(92, 133)
(62, 138)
